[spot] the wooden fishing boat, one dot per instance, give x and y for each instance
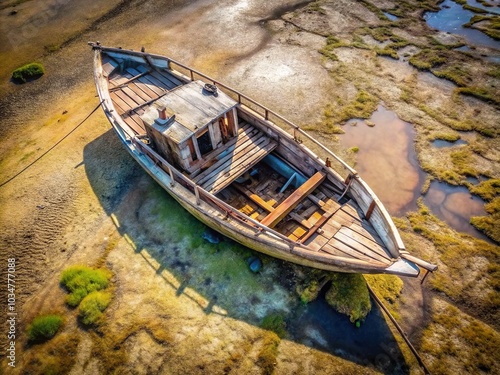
(245, 171)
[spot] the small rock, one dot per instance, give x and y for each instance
(255, 264)
(211, 236)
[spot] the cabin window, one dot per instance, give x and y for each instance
(205, 143)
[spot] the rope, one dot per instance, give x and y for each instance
(400, 330)
(51, 148)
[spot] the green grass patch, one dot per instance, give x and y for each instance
(362, 107)
(488, 190)
(454, 73)
(349, 295)
(28, 72)
(459, 253)
(92, 307)
(449, 137)
(44, 327)
(480, 93)
(354, 149)
(463, 162)
(275, 322)
(268, 353)
(387, 52)
(428, 59)
(79, 281)
(331, 44)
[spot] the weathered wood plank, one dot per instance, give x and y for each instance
(232, 152)
(301, 220)
(254, 197)
(151, 81)
(322, 220)
(154, 76)
(248, 163)
(316, 241)
(336, 247)
(346, 239)
(293, 200)
(367, 242)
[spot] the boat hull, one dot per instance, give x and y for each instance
(223, 218)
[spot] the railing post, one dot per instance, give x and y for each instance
(172, 178)
(239, 98)
(266, 115)
(192, 75)
(197, 194)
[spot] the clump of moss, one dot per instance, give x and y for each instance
(331, 44)
(268, 353)
(55, 356)
(44, 327)
(427, 59)
(449, 137)
(463, 162)
(79, 281)
(28, 72)
(349, 295)
(92, 307)
(354, 149)
(363, 106)
(275, 322)
(479, 92)
(488, 189)
(387, 52)
(456, 74)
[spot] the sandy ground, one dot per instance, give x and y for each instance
(87, 202)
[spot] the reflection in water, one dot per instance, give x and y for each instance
(452, 17)
(387, 160)
(455, 205)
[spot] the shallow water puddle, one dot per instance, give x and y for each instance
(441, 143)
(455, 205)
(452, 17)
(386, 159)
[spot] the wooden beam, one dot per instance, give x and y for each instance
(293, 200)
(254, 197)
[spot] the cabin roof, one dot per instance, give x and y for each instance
(193, 107)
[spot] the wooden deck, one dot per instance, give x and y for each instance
(313, 217)
(134, 89)
(239, 156)
(311, 214)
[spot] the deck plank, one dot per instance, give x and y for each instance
(249, 161)
(351, 242)
(335, 247)
(153, 83)
(243, 140)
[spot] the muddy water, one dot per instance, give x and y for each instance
(452, 17)
(386, 159)
(455, 205)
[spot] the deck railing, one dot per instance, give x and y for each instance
(201, 194)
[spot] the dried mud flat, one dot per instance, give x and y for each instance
(179, 305)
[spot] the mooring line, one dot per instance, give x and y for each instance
(51, 148)
(398, 327)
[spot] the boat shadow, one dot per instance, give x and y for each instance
(216, 276)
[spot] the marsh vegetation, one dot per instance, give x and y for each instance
(154, 297)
